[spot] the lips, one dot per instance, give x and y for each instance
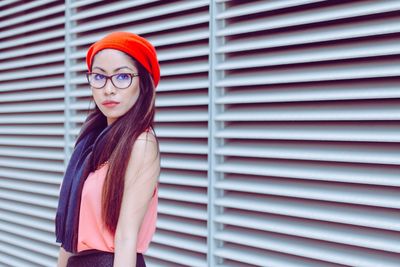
(109, 102)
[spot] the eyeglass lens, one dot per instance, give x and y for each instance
(119, 80)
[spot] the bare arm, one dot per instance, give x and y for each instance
(140, 180)
(63, 257)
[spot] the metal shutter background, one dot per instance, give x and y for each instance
(307, 133)
(179, 30)
(31, 129)
(298, 107)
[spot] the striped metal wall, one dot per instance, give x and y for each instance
(32, 122)
(278, 122)
(307, 133)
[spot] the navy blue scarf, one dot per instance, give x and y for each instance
(67, 217)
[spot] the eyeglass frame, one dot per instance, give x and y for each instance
(110, 78)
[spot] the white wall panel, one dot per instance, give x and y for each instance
(278, 124)
(179, 30)
(306, 150)
(31, 129)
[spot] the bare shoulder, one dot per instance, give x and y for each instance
(145, 150)
(144, 162)
(147, 136)
(146, 145)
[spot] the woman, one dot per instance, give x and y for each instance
(108, 199)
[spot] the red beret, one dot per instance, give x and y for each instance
(132, 44)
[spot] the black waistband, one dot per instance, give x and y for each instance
(94, 257)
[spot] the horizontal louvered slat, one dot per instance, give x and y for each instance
(28, 221)
(166, 24)
(22, 130)
(191, 131)
(182, 225)
(184, 163)
(10, 260)
(29, 175)
(34, 107)
(311, 15)
(325, 211)
(26, 197)
(30, 187)
(175, 255)
(178, 240)
(368, 174)
(121, 6)
(188, 147)
(323, 251)
(24, 40)
(33, 73)
(180, 209)
(32, 118)
(30, 50)
(377, 110)
(158, 262)
(24, 7)
(305, 36)
(183, 178)
(334, 71)
(33, 27)
(32, 62)
(192, 195)
(27, 232)
(327, 151)
(33, 250)
(82, 3)
(343, 234)
(27, 209)
(32, 15)
(254, 8)
(7, 2)
(362, 132)
(31, 141)
(346, 51)
(145, 14)
(343, 193)
(31, 164)
(31, 153)
(258, 257)
(33, 84)
(183, 36)
(310, 92)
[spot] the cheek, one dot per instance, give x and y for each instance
(96, 96)
(133, 95)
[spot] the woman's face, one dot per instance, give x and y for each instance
(109, 62)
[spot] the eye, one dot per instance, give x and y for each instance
(123, 77)
(98, 77)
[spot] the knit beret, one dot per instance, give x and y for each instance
(132, 44)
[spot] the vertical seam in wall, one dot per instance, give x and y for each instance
(211, 143)
(67, 77)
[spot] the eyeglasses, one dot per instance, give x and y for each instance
(119, 80)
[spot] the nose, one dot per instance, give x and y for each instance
(109, 87)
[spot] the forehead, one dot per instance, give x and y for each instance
(112, 58)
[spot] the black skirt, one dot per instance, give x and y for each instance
(93, 257)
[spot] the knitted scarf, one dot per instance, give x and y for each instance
(67, 217)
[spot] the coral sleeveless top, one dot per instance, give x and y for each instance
(91, 232)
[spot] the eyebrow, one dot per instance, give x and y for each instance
(117, 69)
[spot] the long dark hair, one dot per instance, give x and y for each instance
(118, 142)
